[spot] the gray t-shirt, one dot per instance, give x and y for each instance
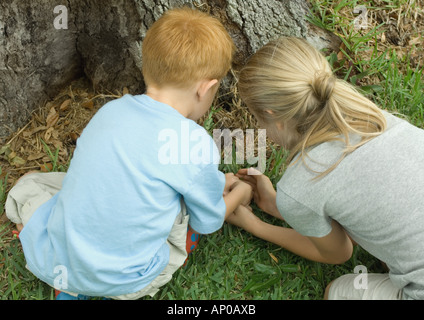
(377, 195)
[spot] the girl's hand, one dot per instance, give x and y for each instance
(244, 218)
(264, 193)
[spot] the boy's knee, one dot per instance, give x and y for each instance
(327, 290)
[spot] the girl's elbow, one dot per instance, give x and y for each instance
(339, 257)
(340, 261)
(342, 257)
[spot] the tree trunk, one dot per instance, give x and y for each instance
(36, 60)
(103, 41)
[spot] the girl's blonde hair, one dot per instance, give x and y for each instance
(289, 81)
(184, 46)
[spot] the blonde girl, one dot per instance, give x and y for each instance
(356, 173)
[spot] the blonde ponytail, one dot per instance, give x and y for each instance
(289, 81)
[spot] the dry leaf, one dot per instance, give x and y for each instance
(125, 91)
(6, 150)
(273, 257)
(64, 153)
(52, 118)
(55, 134)
(35, 156)
(48, 134)
(38, 129)
(65, 105)
(26, 134)
(88, 104)
(74, 136)
(57, 144)
(17, 162)
(414, 41)
(47, 167)
(11, 155)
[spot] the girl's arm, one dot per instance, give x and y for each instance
(335, 248)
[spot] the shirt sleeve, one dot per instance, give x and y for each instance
(205, 202)
(301, 218)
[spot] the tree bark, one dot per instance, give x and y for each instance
(110, 38)
(253, 24)
(104, 38)
(36, 60)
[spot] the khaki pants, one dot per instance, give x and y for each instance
(378, 287)
(34, 189)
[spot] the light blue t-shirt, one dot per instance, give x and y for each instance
(107, 228)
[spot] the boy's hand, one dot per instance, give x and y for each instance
(237, 193)
(264, 193)
(247, 191)
(230, 179)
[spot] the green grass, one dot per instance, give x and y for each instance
(232, 264)
(229, 264)
(16, 282)
(56, 166)
(403, 92)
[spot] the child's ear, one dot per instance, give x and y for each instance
(279, 125)
(205, 86)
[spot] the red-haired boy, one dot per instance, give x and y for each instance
(143, 171)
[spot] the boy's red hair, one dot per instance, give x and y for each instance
(184, 46)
